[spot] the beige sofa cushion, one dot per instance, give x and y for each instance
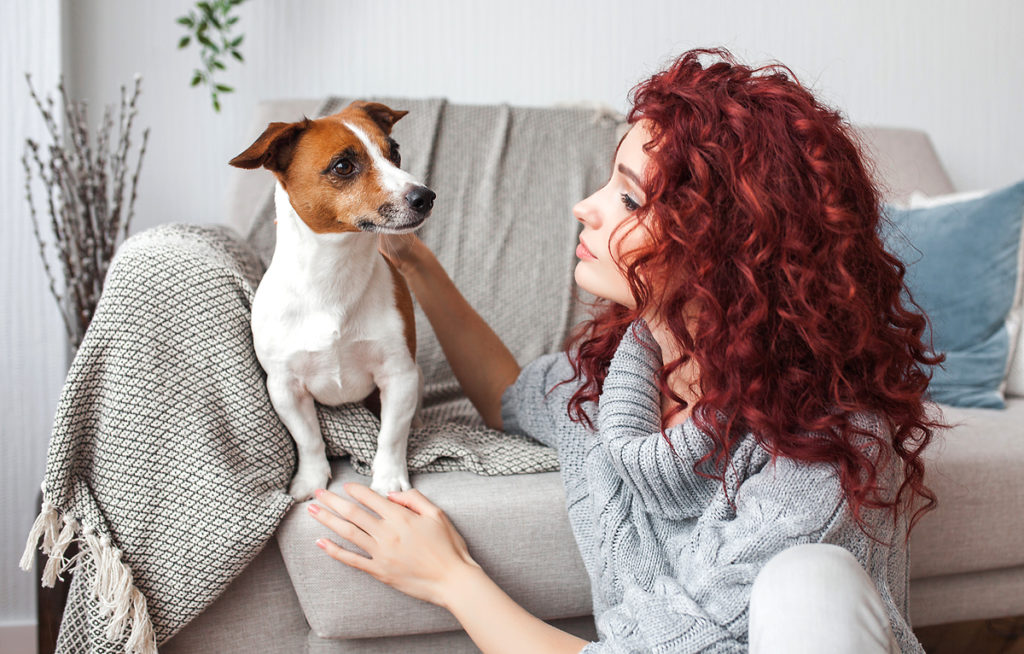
(975, 469)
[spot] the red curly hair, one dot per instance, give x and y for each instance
(761, 209)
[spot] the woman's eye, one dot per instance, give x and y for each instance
(344, 167)
(629, 202)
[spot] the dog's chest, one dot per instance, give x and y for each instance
(333, 351)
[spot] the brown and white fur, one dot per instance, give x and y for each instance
(332, 318)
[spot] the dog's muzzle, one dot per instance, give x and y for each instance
(419, 201)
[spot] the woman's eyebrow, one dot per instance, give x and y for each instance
(628, 172)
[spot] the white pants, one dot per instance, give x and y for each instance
(817, 598)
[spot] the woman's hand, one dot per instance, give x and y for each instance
(413, 547)
(399, 249)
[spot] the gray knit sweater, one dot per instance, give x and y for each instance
(671, 564)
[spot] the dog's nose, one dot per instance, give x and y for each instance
(421, 199)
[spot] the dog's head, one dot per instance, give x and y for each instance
(342, 172)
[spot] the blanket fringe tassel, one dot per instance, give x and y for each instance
(119, 600)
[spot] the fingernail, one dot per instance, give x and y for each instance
(314, 509)
(318, 492)
(321, 544)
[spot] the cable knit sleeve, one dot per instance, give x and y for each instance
(629, 423)
(535, 404)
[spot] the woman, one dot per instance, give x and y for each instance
(739, 425)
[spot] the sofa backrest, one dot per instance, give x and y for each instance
(904, 161)
(506, 179)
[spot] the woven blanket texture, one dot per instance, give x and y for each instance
(167, 464)
(167, 449)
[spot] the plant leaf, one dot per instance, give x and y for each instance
(186, 21)
(218, 65)
(237, 55)
(198, 77)
(185, 40)
(224, 88)
(237, 42)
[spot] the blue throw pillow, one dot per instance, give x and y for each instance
(962, 268)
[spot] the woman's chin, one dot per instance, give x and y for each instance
(602, 288)
(583, 281)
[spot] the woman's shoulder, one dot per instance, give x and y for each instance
(813, 484)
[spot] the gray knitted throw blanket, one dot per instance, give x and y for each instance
(167, 463)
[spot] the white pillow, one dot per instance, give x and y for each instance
(1013, 381)
(919, 200)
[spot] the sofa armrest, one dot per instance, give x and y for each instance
(516, 528)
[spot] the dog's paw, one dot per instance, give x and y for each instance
(305, 482)
(385, 482)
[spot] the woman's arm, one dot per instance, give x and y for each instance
(414, 548)
(496, 623)
(479, 359)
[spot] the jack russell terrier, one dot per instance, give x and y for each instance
(332, 318)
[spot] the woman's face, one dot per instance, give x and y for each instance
(610, 206)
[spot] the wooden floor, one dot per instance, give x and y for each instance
(1002, 636)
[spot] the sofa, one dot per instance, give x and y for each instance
(967, 555)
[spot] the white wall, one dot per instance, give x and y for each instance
(951, 67)
(33, 359)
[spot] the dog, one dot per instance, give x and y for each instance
(332, 318)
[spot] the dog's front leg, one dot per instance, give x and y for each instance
(295, 406)
(399, 400)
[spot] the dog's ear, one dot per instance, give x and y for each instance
(383, 115)
(274, 148)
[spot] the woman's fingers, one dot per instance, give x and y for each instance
(349, 510)
(343, 528)
(371, 500)
(395, 247)
(415, 501)
(348, 557)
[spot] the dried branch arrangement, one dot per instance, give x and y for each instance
(87, 196)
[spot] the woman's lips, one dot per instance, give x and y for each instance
(583, 253)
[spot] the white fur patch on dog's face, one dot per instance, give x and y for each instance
(393, 178)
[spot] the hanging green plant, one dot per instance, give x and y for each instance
(210, 25)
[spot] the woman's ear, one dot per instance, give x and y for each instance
(274, 148)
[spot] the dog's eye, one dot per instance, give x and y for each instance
(344, 168)
(394, 156)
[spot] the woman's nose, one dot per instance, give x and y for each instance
(584, 213)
